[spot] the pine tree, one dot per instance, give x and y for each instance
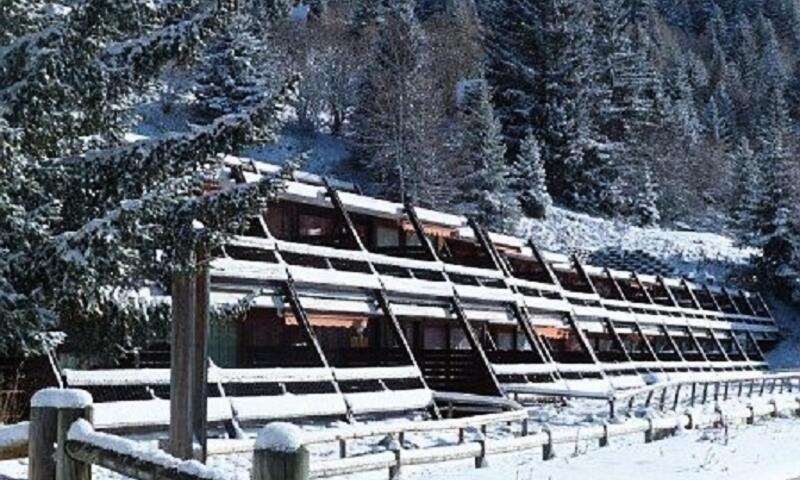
(269, 11)
(515, 64)
(645, 205)
(485, 191)
(395, 120)
(567, 130)
(748, 192)
(777, 228)
(234, 72)
(530, 180)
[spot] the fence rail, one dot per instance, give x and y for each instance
(14, 441)
(479, 447)
(62, 442)
(671, 395)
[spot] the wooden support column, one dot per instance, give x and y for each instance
(731, 300)
(739, 346)
(182, 350)
(647, 344)
(710, 294)
(697, 344)
(381, 295)
(672, 342)
(692, 296)
(618, 339)
(718, 344)
(748, 303)
(518, 308)
(475, 345)
(200, 368)
(455, 301)
(760, 352)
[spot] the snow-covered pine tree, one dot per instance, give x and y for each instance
(778, 234)
(567, 131)
(395, 120)
(645, 205)
(530, 179)
(234, 71)
(748, 192)
(484, 191)
(269, 11)
(20, 17)
(515, 53)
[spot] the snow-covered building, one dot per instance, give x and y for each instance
(376, 283)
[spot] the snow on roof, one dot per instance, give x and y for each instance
(61, 398)
(280, 437)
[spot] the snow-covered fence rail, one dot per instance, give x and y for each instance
(702, 389)
(282, 451)
(63, 444)
(87, 447)
(14, 441)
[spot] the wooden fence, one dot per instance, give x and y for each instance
(62, 443)
(671, 395)
(479, 447)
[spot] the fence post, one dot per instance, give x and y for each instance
(480, 460)
(397, 448)
(41, 439)
(280, 453)
(604, 439)
(68, 468)
(53, 410)
(547, 448)
(650, 432)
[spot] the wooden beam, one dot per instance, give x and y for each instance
(697, 343)
(582, 272)
(718, 344)
(708, 291)
(692, 296)
(537, 254)
(411, 212)
(670, 295)
(474, 344)
(182, 350)
(200, 357)
(344, 215)
(455, 301)
(731, 300)
(760, 352)
(672, 342)
(641, 285)
(518, 308)
(617, 339)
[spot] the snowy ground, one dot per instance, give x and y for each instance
(767, 450)
(701, 255)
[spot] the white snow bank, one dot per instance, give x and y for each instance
(13, 435)
(690, 253)
(280, 437)
(389, 401)
(82, 431)
(289, 406)
(61, 398)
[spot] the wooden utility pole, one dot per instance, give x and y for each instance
(182, 351)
